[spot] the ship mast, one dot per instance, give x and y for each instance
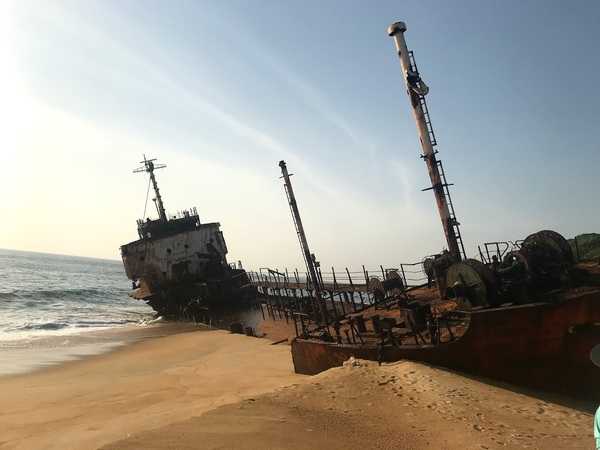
(416, 90)
(150, 167)
(309, 258)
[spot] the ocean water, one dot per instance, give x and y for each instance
(44, 295)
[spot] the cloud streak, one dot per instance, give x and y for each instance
(312, 97)
(158, 81)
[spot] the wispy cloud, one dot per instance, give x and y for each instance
(128, 64)
(312, 97)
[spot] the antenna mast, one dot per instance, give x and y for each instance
(150, 167)
(309, 258)
(416, 90)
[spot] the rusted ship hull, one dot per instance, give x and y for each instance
(171, 259)
(180, 269)
(541, 345)
(192, 299)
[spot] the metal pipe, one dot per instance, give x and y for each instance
(309, 259)
(413, 84)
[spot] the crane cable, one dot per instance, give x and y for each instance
(146, 204)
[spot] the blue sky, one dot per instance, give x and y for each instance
(221, 91)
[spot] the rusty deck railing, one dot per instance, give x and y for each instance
(290, 295)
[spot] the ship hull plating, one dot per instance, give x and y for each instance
(541, 345)
(182, 274)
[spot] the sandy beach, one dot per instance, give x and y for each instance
(214, 390)
(105, 398)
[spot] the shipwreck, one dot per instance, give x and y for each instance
(179, 264)
(527, 312)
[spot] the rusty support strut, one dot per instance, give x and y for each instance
(309, 258)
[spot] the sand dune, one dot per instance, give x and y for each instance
(401, 406)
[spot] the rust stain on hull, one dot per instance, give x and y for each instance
(542, 345)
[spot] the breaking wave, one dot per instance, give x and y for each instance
(50, 295)
(54, 294)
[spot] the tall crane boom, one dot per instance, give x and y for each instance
(309, 258)
(416, 90)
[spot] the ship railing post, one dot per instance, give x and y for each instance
(271, 299)
(481, 257)
(287, 292)
(297, 285)
(331, 297)
(293, 298)
(266, 294)
(341, 294)
(324, 314)
(353, 290)
(308, 291)
(286, 299)
(366, 274)
(336, 288)
(283, 300)
(320, 277)
(279, 299)
(316, 307)
(333, 306)
(268, 297)
(403, 275)
(300, 290)
(277, 291)
(276, 294)
(345, 300)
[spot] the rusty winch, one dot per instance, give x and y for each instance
(542, 263)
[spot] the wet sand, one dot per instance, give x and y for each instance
(214, 390)
(26, 355)
(92, 402)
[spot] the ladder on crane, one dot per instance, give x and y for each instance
(454, 224)
(453, 220)
(422, 102)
